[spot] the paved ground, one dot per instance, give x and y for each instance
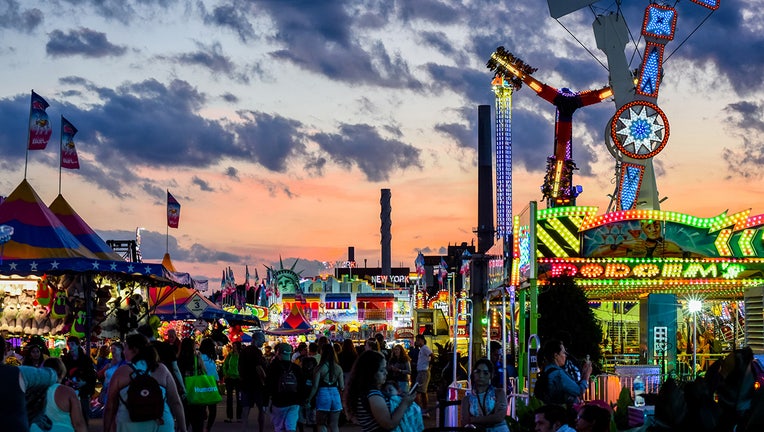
(96, 425)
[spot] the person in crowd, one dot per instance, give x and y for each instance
(252, 367)
(328, 385)
(561, 387)
(423, 372)
(371, 345)
(485, 406)
(287, 382)
(268, 353)
(399, 368)
(102, 358)
(412, 419)
(207, 350)
(168, 356)
(593, 418)
(33, 356)
(232, 382)
(313, 351)
(414, 356)
(347, 357)
(551, 418)
(382, 345)
(308, 365)
(190, 363)
(15, 382)
(173, 340)
(299, 352)
(81, 374)
(364, 401)
(60, 410)
(142, 356)
(106, 372)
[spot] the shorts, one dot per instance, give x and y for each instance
(285, 418)
(423, 379)
(328, 399)
(250, 398)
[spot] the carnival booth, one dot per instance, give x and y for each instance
(293, 324)
(58, 275)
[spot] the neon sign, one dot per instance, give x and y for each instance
(647, 270)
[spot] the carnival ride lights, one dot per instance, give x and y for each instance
(640, 130)
(503, 88)
(694, 306)
(558, 187)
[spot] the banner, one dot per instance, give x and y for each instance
(69, 158)
(173, 211)
(40, 128)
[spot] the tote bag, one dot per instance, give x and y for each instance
(201, 389)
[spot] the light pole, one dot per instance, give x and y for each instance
(694, 306)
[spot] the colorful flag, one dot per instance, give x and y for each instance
(465, 269)
(69, 158)
(40, 128)
(257, 278)
(173, 211)
(442, 271)
(246, 278)
(419, 263)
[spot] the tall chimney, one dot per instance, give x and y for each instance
(485, 229)
(384, 202)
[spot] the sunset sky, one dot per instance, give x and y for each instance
(276, 123)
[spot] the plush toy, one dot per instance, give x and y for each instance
(9, 316)
(44, 292)
(60, 308)
(78, 328)
(24, 319)
(40, 321)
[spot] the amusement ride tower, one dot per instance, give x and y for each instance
(503, 89)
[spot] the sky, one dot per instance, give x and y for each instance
(275, 123)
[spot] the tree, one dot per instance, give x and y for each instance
(564, 314)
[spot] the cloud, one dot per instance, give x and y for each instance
(84, 42)
(211, 57)
(232, 173)
(745, 121)
(204, 186)
(361, 145)
(319, 37)
(232, 17)
(13, 17)
(269, 139)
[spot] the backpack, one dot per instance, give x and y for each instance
(145, 400)
(541, 390)
(288, 381)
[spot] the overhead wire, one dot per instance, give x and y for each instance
(582, 45)
(689, 35)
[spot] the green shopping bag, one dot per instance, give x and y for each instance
(201, 389)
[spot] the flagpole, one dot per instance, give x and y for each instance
(60, 152)
(167, 239)
(26, 156)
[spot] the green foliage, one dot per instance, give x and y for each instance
(564, 313)
(621, 415)
(524, 413)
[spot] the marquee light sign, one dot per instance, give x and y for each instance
(637, 269)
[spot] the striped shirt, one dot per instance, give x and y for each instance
(364, 418)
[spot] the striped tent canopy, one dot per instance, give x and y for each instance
(294, 324)
(38, 233)
(81, 230)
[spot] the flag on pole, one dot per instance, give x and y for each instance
(40, 128)
(465, 269)
(442, 271)
(257, 278)
(173, 211)
(69, 158)
(246, 278)
(419, 263)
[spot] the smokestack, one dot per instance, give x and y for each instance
(384, 202)
(351, 253)
(485, 229)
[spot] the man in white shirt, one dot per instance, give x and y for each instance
(423, 372)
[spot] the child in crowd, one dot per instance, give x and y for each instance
(412, 420)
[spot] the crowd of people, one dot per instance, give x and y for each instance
(312, 386)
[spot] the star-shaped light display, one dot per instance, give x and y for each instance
(660, 22)
(640, 129)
